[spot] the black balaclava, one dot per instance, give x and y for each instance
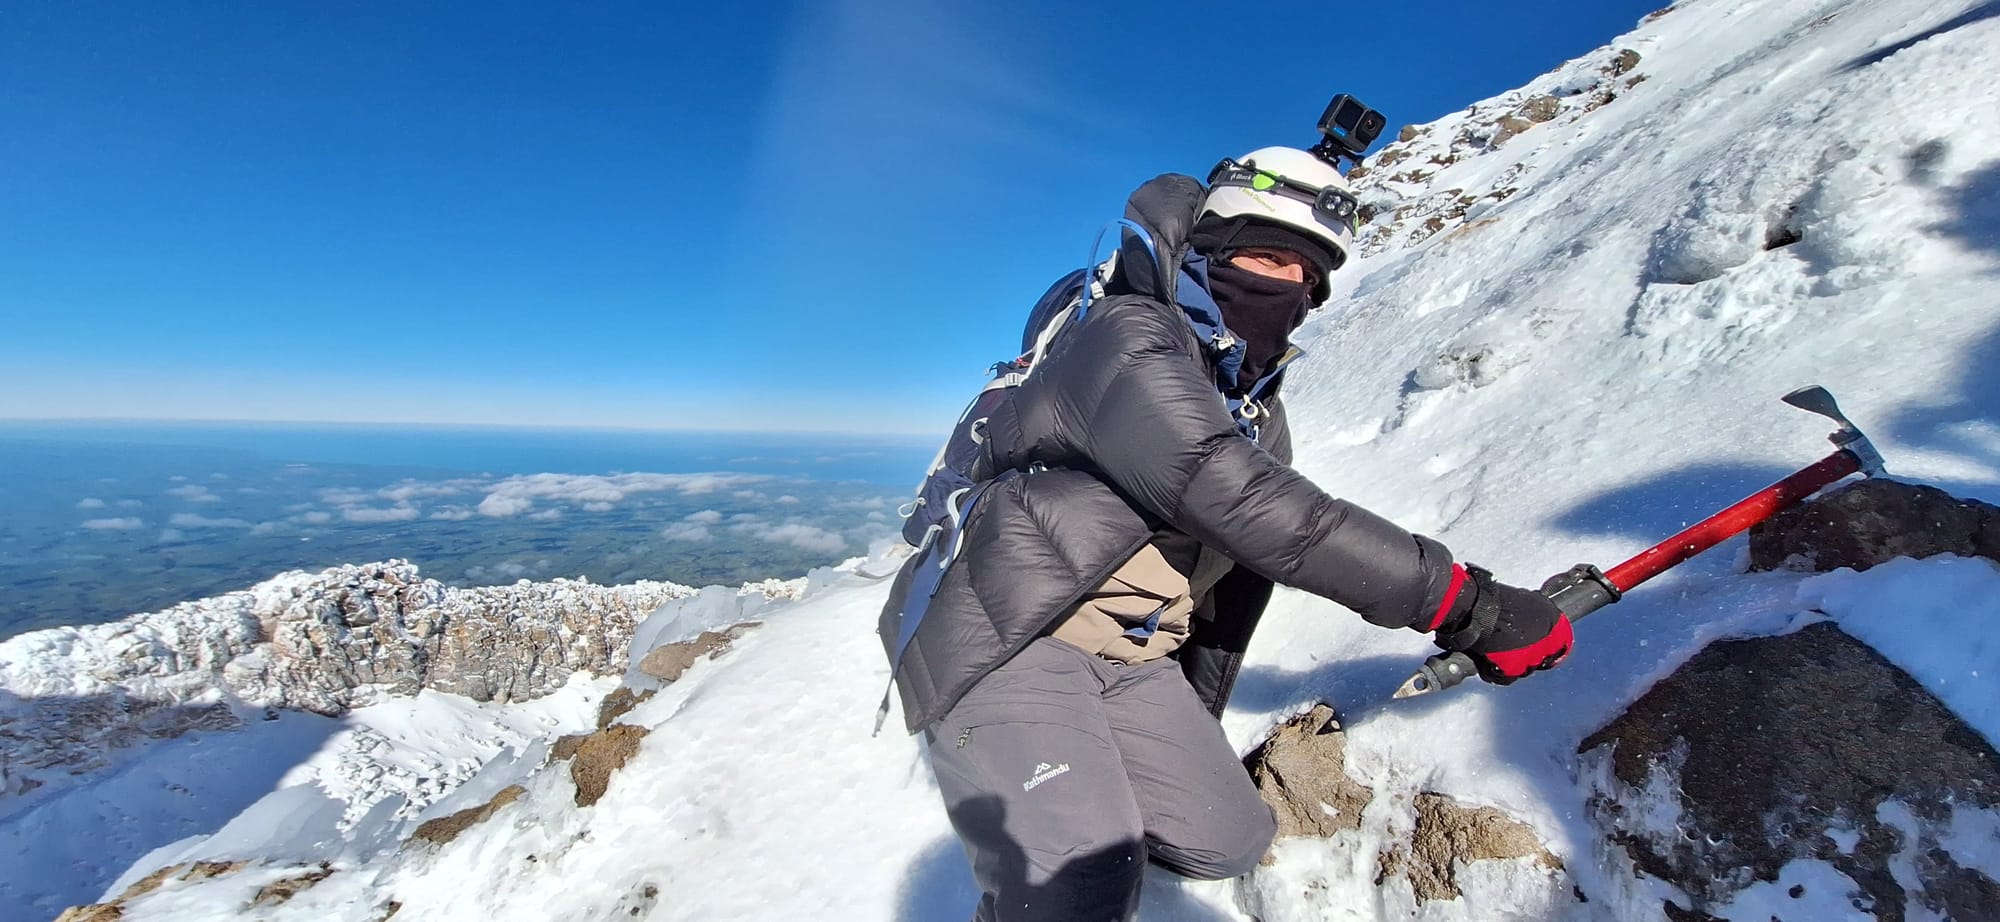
(1261, 311)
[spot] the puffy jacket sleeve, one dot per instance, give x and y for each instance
(1159, 432)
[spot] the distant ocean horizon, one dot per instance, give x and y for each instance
(102, 519)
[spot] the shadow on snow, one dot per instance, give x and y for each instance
(63, 843)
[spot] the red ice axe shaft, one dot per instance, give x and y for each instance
(1585, 589)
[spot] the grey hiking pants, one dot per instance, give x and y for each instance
(1063, 773)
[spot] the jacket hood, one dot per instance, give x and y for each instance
(1167, 207)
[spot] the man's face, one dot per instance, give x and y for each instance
(1272, 262)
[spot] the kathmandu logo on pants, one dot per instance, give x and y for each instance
(1043, 772)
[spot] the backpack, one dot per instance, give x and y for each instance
(934, 521)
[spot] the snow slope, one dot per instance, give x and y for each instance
(1565, 372)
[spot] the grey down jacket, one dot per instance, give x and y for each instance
(1127, 437)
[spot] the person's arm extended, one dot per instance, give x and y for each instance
(1160, 433)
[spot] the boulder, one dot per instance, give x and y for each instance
(1301, 771)
(619, 703)
(281, 891)
(595, 757)
(668, 662)
(1539, 109)
(446, 828)
(1872, 521)
(1807, 746)
(1508, 128)
(1447, 834)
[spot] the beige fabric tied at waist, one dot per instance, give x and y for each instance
(1141, 588)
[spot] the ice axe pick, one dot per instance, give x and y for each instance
(1585, 588)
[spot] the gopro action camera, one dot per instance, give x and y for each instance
(1349, 126)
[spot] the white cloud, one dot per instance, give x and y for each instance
(345, 496)
(500, 507)
(787, 500)
(266, 528)
(124, 524)
(452, 514)
(172, 535)
(316, 518)
(597, 507)
(194, 493)
(796, 534)
(808, 537)
(90, 502)
(547, 515)
(877, 517)
(516, 495)
(685, 531)
(368, 515)
(706, 517)
(190, 520)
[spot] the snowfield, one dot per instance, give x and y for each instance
(1796, 192)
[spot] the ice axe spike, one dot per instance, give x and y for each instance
(1585, 589)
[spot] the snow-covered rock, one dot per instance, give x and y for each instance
(71, 698)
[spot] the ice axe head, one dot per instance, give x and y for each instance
(1814, 399)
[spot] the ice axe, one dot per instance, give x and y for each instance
(1585, 588)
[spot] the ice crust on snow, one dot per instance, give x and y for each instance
(1559, 347)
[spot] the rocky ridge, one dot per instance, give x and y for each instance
(71, 698)
(1405, 201)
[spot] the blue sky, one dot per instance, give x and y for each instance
(810, 215)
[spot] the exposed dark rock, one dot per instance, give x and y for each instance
(1539, 109)
(282, 891)
(595, 757)
(1446, 834)
(668, 662)
(446, 828)
(1874, 521)
(1301, 771)
(1626, 61)
(1768, 744)
(1675, 913)
(617, 704)
(115, 909)
(1408, 134)
(1508, 128)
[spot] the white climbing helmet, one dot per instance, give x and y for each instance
(1294, 189)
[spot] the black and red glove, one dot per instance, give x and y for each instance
(1508, 631)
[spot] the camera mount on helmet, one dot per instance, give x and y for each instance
(1349, 127)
